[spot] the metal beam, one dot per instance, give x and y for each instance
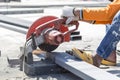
(82, 69)
(56, 4)
(16, 22)
(14, 28)
(20, 11)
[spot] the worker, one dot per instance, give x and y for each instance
(109, 15)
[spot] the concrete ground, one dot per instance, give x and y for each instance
(11, 41)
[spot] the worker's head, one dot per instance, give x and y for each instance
(54, 37)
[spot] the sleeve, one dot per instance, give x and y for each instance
(100, 14)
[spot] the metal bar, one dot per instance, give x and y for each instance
(57, 4)
(82, 69)
(25, 11)
(16, 22)
(14, 28)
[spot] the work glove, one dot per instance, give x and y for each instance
(67, 12)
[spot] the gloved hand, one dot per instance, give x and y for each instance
(67, 12)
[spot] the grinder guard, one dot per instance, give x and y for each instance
(35, 31)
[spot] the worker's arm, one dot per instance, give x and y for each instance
(103, 15)
(98, 14)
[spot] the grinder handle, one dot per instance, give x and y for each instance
(76, 23)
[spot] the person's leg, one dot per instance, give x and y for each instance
(112, 56)
(109, 42)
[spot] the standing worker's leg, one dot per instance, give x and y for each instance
(111, 60)
(108, 44)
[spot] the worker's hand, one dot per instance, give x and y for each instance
(68, 14)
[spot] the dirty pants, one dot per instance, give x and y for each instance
(111, 39)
